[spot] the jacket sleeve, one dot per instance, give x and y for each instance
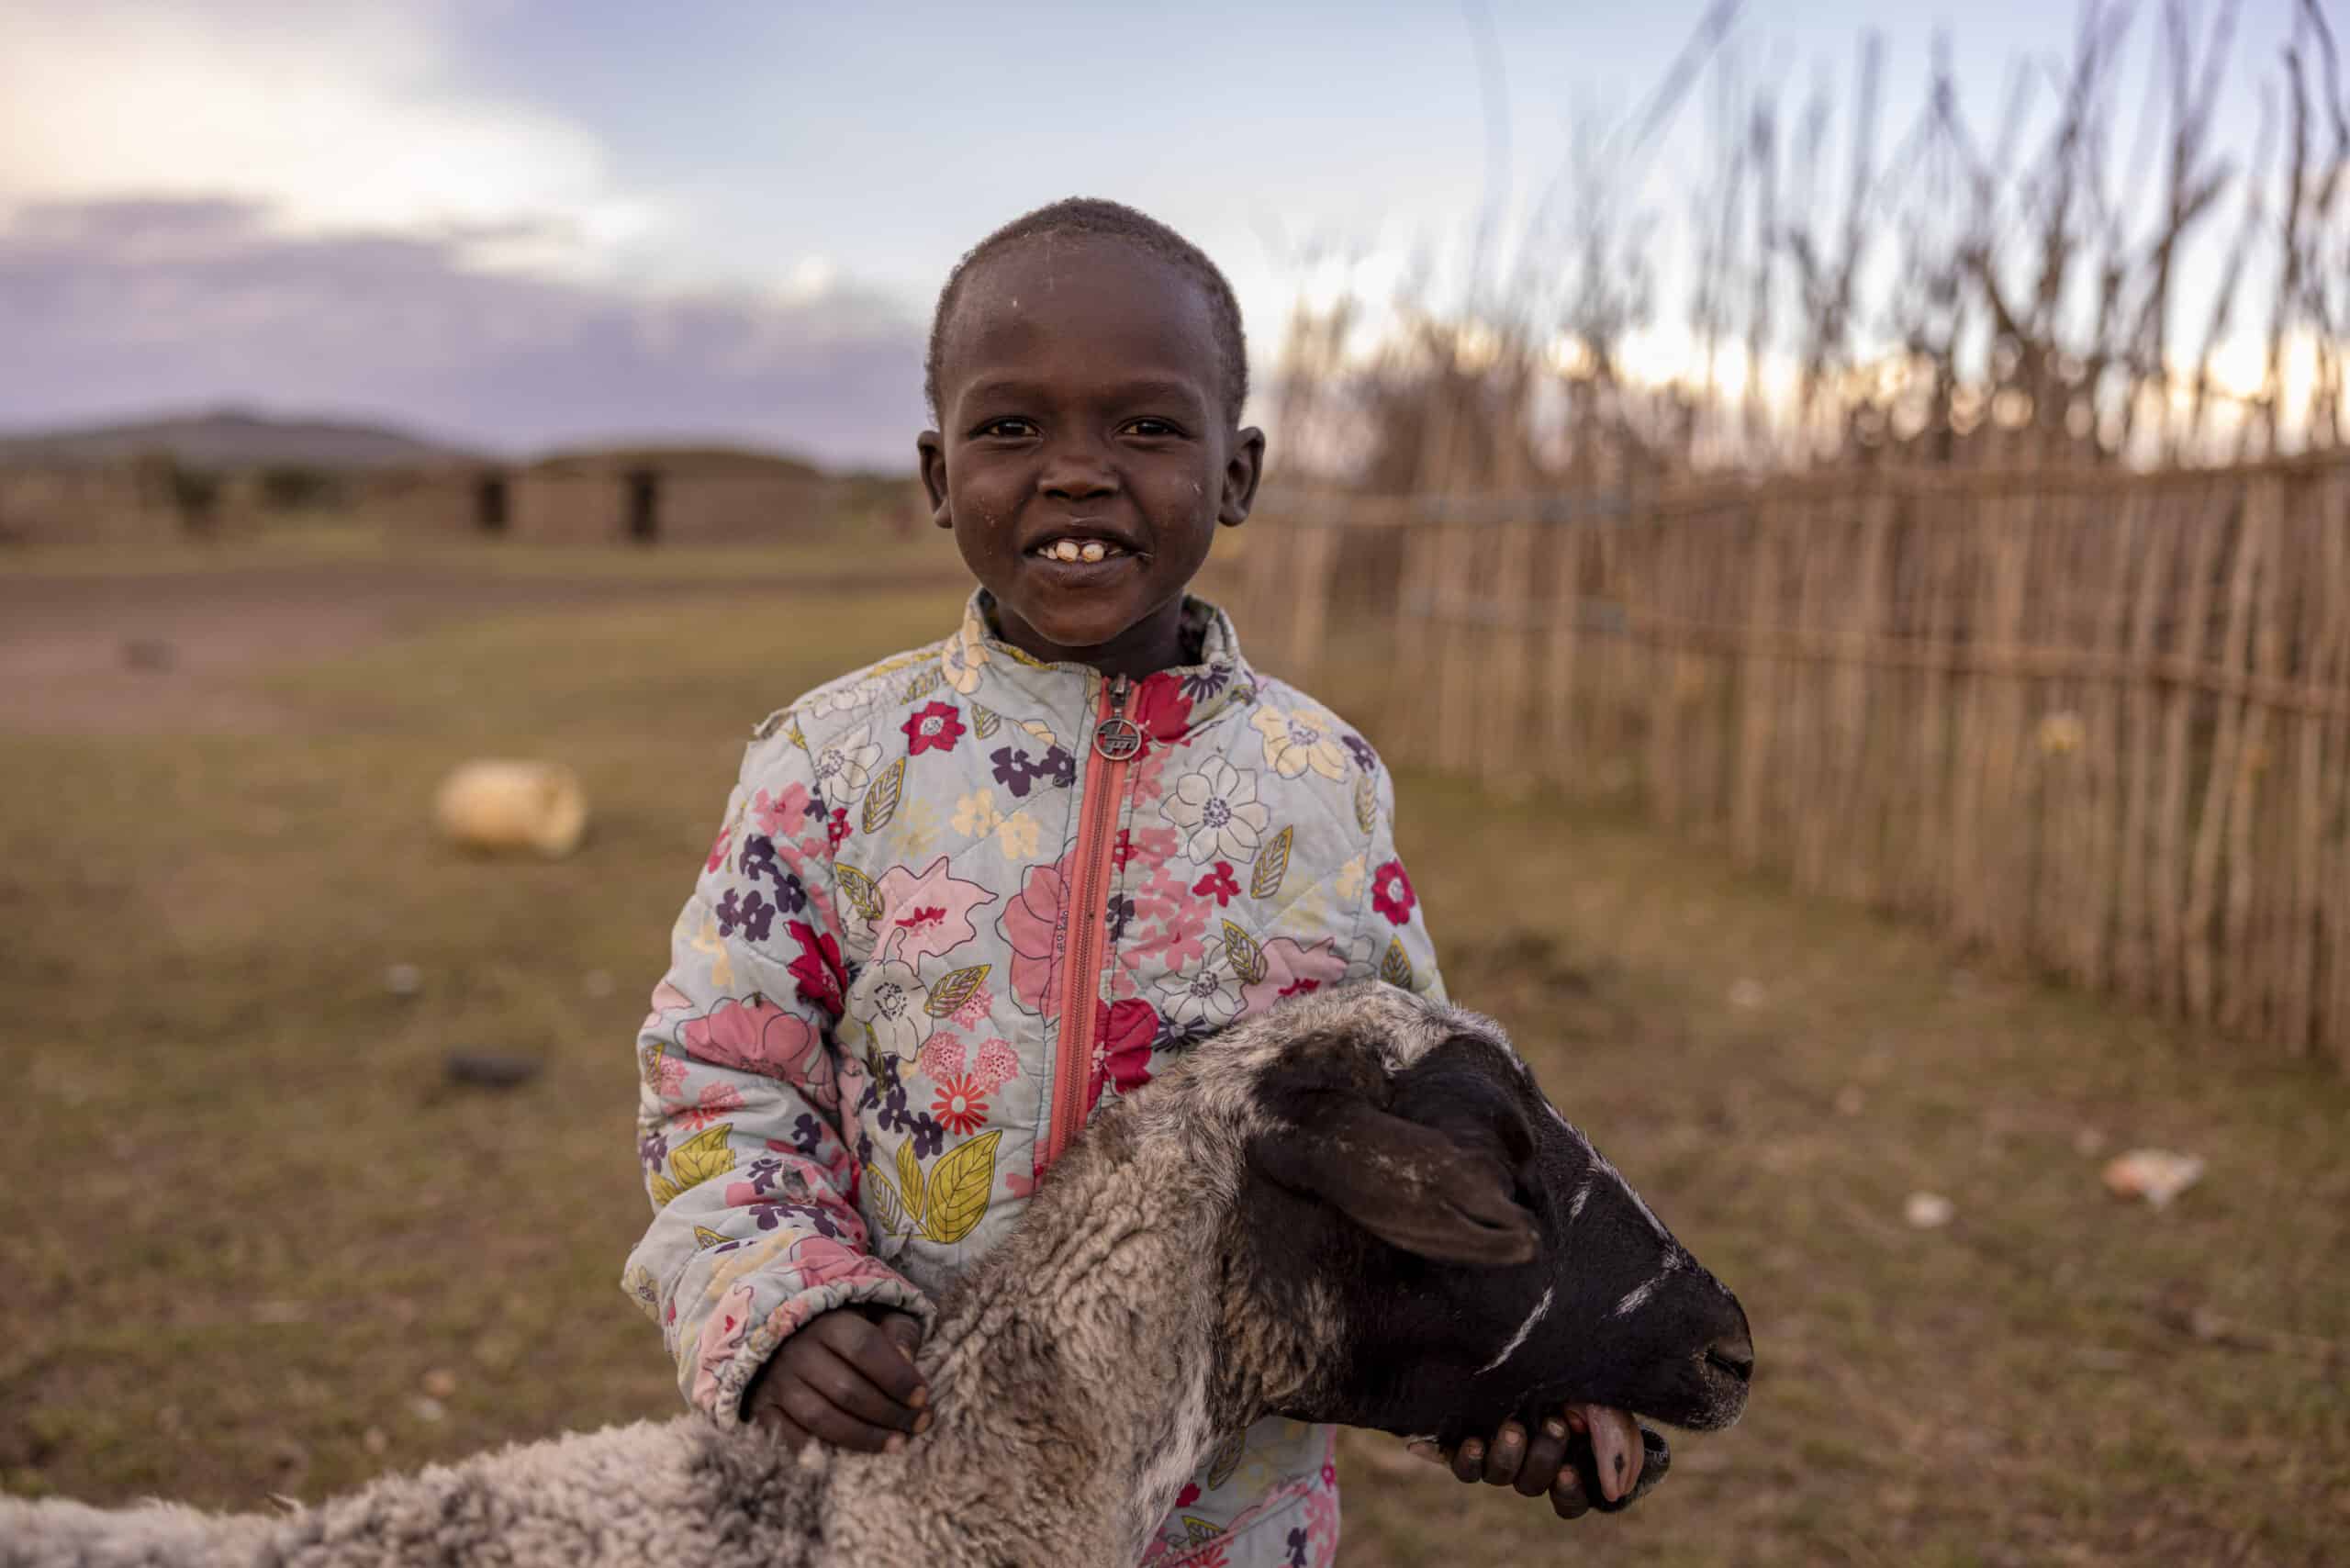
(745, 1109)
(1391, 941)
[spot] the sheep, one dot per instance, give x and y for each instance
(1358, 1207)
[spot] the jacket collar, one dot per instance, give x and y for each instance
(976, 658)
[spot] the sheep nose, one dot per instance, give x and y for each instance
(1734, 1354)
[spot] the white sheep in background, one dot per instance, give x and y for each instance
(1356, 1208)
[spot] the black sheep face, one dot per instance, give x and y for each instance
(1495, 1265)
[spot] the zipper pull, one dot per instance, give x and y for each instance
(1117, 738)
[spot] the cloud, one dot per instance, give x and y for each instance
(124, 306)
(333, 116)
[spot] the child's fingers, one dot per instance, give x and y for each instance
(828, 1423)
(1504, 1454)
(1546, 1456)
(785, 1431)
(852, 1392)
(876, 1351)
(1568, 1499)
(1469, 1461)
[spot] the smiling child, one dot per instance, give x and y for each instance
(962, 896)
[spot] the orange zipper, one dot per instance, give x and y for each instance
(1117, 741)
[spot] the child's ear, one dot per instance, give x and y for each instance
(930, 456)
(1242, 469)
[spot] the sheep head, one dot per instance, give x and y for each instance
(1489, 1263)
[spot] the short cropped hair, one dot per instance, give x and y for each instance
(1091, 217)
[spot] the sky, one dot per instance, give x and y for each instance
(519, 223)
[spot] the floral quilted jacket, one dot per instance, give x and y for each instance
(960, 899)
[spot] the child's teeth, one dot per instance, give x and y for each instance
(1066, 550)
(1093, 550)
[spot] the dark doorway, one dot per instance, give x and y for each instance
(643, 506)
(489, 504)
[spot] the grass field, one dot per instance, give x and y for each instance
(251, 1244)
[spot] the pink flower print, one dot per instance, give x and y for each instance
(1390, 893)
(937, 728)
(1031, 924)
(926, 915)
(722, 1333)
(1293, 971)
(716, 1100)
(975, 1008)
(757, 1035)
(997, 1065)
(942, 1058)
(718, 848)
(822, 1261)
(781, 813)
(1218, 884)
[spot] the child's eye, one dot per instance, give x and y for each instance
(1151, 427)
(1010, 426)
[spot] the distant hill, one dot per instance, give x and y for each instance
(700, 457)
(230, 437)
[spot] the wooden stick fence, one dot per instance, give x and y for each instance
(2101, 725)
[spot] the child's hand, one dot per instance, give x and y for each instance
(846, 1380)
(1562, 1460)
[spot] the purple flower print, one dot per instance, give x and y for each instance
(758, 858)
(1061, 765)
(893, 1115)
(1121, 912)
(1204, 683)
(929, 1136)
(654, 1151)
(807, 1135)
(1365, 758)
(752, 914)
(762, 1173)
(1298, 1539)
(770, 1216)
(1013, 770)
(791, 896)
(864, 1150)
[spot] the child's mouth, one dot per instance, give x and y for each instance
(1079, 552)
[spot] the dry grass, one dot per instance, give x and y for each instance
(244, 1226)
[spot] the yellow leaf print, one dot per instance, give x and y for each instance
(960, 1184)
(1018, 837)
(705, 1237)
(910, 1179)
(975, 814)
(886, 1207)
(694, 1161)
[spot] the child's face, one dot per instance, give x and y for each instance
(1081, 397)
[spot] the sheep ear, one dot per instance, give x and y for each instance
(1410, 1185)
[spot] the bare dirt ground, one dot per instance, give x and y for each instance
(175, 650)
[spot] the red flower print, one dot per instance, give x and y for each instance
(1189, 1496)
(1159, 706)
(937, 728)
(718, 848)
(821, 978)
(839, 825)
(1218, 884)
(1301, 988)
(1120, 852)
(960, 1107)
(1390, 893)
(1123, 1035)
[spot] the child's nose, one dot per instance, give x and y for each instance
(1076, 473)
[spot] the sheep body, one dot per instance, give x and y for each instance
(1080, 1374)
